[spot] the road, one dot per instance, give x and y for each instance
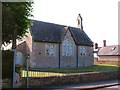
(100, 85)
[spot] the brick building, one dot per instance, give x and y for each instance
(108, 54)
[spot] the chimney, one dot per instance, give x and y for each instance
(104, 43)
(96, 46)
(79, 20)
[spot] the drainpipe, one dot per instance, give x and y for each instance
(77, 54)
(59, 55)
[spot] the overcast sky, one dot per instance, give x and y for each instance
(100, 17)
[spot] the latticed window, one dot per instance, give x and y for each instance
(67, 48)
(50, 49)
(83, 51)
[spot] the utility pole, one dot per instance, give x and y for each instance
(14, 47)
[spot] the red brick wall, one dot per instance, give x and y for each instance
(97, 61)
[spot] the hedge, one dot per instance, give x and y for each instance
(7, 64)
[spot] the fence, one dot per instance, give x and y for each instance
(40, 73)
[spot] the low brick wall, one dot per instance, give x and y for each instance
(72, 78)
(96, 61)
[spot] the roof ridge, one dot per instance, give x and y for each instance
(51, 23)
(57, 24)
(111, 45)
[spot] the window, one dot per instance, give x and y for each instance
(67, 48)
(113, 48)
(83, 51)
(50, 50)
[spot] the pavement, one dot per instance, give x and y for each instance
(80, 86)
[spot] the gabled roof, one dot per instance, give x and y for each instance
(49, 32)
(80, 37)
(109, 50)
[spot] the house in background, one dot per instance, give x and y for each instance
(108, 54)
(57, 46)
(97, 48)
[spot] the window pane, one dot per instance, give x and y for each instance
(67, 48)
(50, 49)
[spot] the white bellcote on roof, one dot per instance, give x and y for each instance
(79, 20)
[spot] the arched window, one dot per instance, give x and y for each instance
(67, 48)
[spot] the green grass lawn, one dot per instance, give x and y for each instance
(64, 71)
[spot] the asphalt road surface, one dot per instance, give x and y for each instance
(99, 85)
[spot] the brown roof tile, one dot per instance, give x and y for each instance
(109, 50)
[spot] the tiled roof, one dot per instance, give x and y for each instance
(42, 31)
(80, 37)
(49, 32)
(110, 50)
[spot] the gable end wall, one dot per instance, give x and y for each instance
(68, 61)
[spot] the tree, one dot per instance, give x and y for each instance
(15, 13)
